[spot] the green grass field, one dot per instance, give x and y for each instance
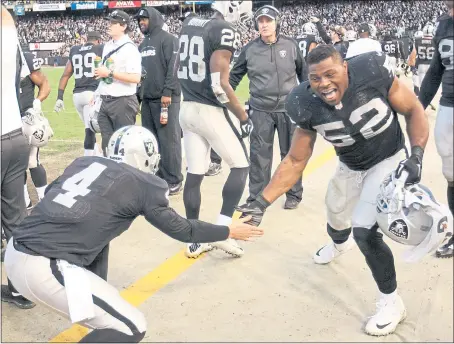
(67, 126)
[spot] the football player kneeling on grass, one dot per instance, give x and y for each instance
(58, 255)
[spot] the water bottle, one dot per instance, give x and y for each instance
(110, 66)
(164, 115)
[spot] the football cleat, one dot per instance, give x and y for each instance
(331, 251)
(389, 314)
(229, 246)
(194, 250)
(446, 250)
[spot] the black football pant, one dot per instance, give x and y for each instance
(15, 153)
(261, 156)
(168, 136)
(115, 113)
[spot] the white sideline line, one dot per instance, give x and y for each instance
(68, 141)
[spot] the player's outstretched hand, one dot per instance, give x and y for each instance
(255, 209)
(241, 230)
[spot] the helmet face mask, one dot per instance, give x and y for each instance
(135, 146)
(238, 13)
(428, 30)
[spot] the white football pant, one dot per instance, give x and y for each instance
(205, 126)
(351, 196)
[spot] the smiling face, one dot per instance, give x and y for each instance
(329, 79)
(144, 24)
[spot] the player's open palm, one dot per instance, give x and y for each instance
(240, 230)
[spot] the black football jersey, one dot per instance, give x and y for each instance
(444, 42)
(199, 39)
(304, 42)
(91, 203)
(391, 48)
(27, 87)
(342, 48)
(82, 59)
(424, 50)
(363, 128)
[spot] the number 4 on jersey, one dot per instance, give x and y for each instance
(78, 184)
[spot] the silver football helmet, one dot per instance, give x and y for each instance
(372, 31)
(136, 146)
(36, 128)
(419, 34)
(309, 29)
(428, 30)
(411, 216)
(351, 35)
(236, 12)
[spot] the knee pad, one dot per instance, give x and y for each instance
(366, 239)
(33, 158)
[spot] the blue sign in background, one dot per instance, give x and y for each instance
(19, 10)
(89, 5)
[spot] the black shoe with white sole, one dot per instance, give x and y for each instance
(175, 189)
(446, 250)
(18, 300)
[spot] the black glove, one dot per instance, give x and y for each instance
(256, 209)
(412, 165)
(246, 128)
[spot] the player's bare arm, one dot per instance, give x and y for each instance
(404, 101)
(412, 58)
(286, 175)
(292, 166)
(220, 63)
(40, 80)
(67, 73)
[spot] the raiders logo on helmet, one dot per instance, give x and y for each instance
(39, 135)
(399, 228)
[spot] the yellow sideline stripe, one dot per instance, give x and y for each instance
(144, 288)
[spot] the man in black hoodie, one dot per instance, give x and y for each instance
(161, 90)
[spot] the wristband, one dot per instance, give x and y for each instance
(60, 94)
(418, 152)
(262, 201)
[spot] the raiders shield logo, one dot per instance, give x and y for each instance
(265, 11)
(283, 53)
(39, 135)
(399, 228)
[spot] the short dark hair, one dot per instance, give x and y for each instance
(323, 52)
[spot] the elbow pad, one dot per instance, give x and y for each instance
(218, 91)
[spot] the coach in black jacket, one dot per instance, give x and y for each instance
(160, 88)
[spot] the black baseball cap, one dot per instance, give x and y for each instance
(187, 14)
(94, 35)
(364, 27)
(119, 16)
(267, 12)
(143, 13)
